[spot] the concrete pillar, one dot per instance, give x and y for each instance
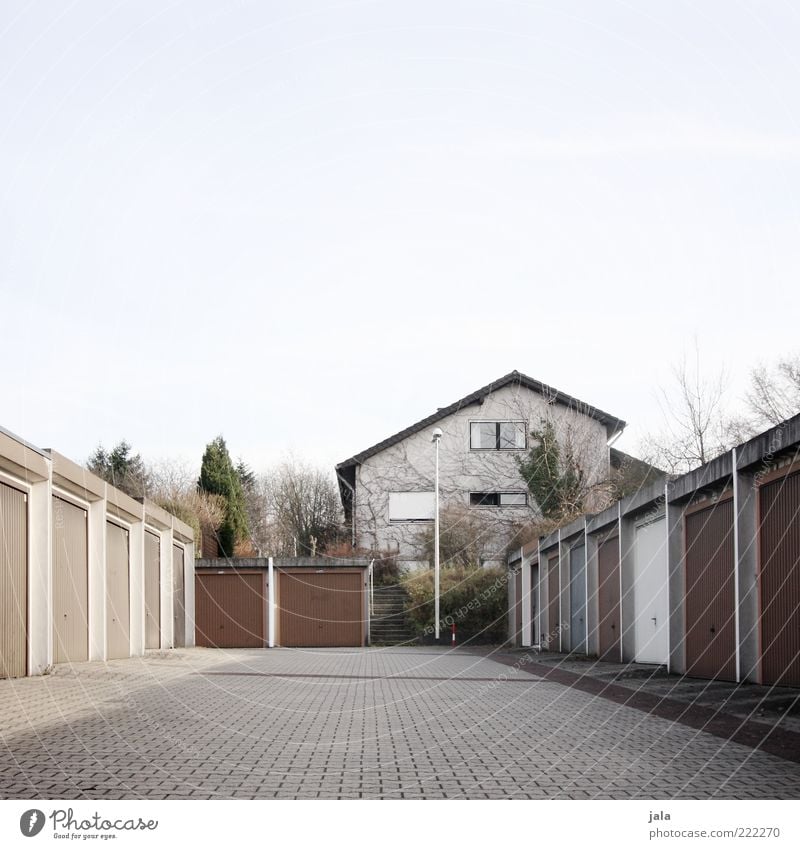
(136, 587)
(188, 600)
(165, 551)
(40, 577)
(97, 579)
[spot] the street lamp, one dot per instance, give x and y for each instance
(437, 435)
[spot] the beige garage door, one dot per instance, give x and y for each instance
(152, 590)
(118, 612)
(70, 583)
(13, 582)
(321, 608)
(178, 603)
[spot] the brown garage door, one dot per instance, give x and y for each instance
(152, 590)
(553, 602)
(178, 598)
(13, 582)
(70, 583)
(779, 580)
(710, 598)
(118, 611)
(608, 607)
(321, 608)
(230, 610)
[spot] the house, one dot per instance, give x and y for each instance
(387, 490)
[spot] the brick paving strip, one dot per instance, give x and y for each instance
(756, 735)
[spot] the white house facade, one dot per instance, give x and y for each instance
(388, 490)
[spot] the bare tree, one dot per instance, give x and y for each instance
(774, 393)
(302, 511)
(174, 487)
(696, 427)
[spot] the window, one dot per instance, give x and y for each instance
(411, 506)
(497, 436)
(498, 499)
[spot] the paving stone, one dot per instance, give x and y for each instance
(372, 723)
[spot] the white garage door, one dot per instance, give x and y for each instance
(651, 625)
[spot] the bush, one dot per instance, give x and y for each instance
(472, 597)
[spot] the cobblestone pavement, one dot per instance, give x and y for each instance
(373, 723)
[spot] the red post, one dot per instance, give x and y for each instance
(453, 626)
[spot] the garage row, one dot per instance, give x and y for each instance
(86, 572)
(700, 573)
(284, 601)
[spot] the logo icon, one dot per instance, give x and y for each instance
(31, 822)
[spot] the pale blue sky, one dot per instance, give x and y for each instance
(305, 225)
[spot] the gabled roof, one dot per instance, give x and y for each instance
(613, 424)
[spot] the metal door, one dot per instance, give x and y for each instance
(608, 606)
(13, 582)
(178, 600)
(118, 611)
(534, 603)
(230, 610)
(779, 580)
(70, 583)
(650, 631)
(553, 605)
(710, 600)
(321, 609)
(577, 599)
(152, 590)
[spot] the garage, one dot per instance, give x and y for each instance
(710, 591)
(779, 578)
(118, 614)
(13, 582)
(70, 582)
(231, 609)
(152, 590)
(178, 597)
(322, 607)
(608, 601)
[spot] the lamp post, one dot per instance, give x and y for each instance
(437, 435)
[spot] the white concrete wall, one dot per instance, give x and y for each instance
(136, 587)
(409, 466)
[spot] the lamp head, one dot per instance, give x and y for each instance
(437, 434)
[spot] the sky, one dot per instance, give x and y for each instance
(306, 225)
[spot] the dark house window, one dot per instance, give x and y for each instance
(498, 499)
(497, 436)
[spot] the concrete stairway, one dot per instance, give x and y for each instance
(389, 625)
